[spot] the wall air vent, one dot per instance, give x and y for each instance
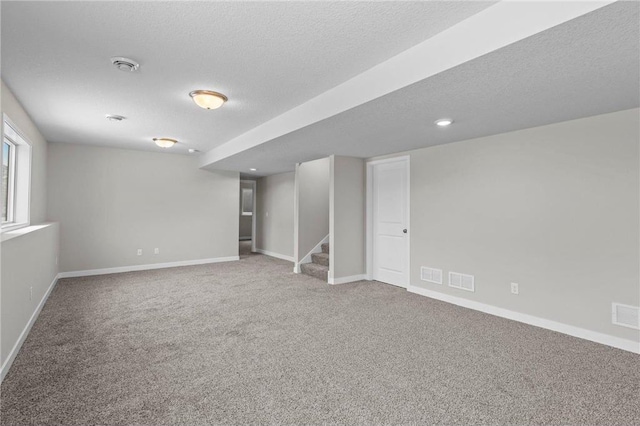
(431, 275)
(462, 281)
(125, 64)
(625, 315)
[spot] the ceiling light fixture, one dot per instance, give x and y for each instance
(125, 64)
(113, 117)
(165, 142)
(444, 122)
(253, 170)
(193, 151)
(208, 99)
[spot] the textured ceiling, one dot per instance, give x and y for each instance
(587, 66)
(266, 56)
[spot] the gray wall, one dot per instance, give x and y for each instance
(553, 208)
(274, 214)
(347, 217)
(28, 270)
(28, 259)
(245, 221)
(110, 202)
(313, 204)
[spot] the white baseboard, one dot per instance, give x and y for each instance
(276, 255)
(119, 269)
(345, 280)
(605, 339)
(25, 332)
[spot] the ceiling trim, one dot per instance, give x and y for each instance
(497, 26)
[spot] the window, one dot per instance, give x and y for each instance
(8, 179)
(16, 177)
(247, 202)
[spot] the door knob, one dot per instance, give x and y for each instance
(404, 230)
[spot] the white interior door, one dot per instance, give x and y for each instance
(390, 216)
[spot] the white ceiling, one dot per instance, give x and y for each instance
(268, 57)
(586, 66)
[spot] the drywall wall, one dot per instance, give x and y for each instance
(111, 202)
(274, 214)
(29, 271)
(38, 194)
(28, 255)
(347, 218)
(313, 181)
(552, 208)
(245, 221)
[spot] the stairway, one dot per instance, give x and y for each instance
(319, 266)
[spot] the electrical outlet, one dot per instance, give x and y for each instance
(514, 288)
(30, 293)
(156, 251)
(56, 260)
(139, 252)
(266, 214)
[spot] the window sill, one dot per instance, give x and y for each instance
(8, 227)
(9, 233)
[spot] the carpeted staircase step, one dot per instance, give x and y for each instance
(325, 248)
(315, 270)
(320, 259)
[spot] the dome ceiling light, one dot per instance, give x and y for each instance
(165, 142)
(208, 99)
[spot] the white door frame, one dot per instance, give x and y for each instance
(253, 213)
(369, 213)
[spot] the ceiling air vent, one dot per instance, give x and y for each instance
(462, 281)
(431, 275)
(625, 315)
(125, 64)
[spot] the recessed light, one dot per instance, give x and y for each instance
(113, 117)
(253, 170)
(208, 99)
(193, 151)
(444, 122)
(165, 142)
(125, 64)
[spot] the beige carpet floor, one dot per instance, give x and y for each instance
(250, 342)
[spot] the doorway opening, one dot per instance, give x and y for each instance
(247, 222)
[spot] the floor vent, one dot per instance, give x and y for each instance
(461, 281)
(625, 315)
(432, 275)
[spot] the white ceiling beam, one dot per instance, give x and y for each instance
(497, 26)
